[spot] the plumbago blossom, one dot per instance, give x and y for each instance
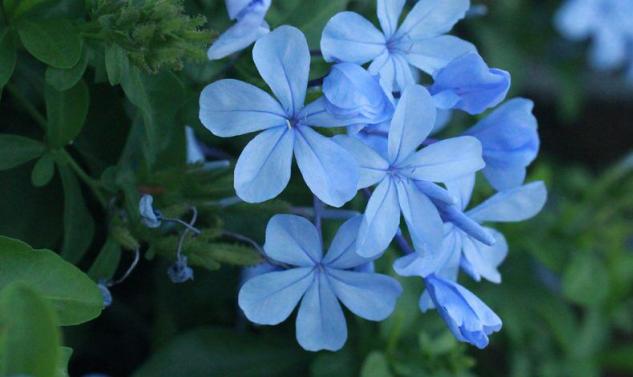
(398, 51)
(607, 23)
(319, 282)
(249, 27)
(388, 151)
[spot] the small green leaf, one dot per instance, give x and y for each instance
(7, 57)
(116, 62)
(16, 150)
(74, 296)
(376, 365)
(107, 261)
(64, 79)
(29, 336)
(311, 17)
(54, 42)
(79, 226)
(66, 112)
(16, 8)
(43, 171)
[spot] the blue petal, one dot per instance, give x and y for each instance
(380, 221)
(247, 30)
(320, 322)
(349, 37)
(575, 19)
(389, 12)
(316, 114)
(516, 204)
(610, 48)
(328, 169)
(468, 318)
(412, 123)
(263, 169)
(283, 60)
(355, 96)
(445, 160)
(234, 7)
(423, 219)
(238, 9)
(293, 240)
(194, 153)
(462, 189)
(452, 214)
(435, 192)
(480, 260)
(342, 252)
(231, 108)
(430, 18)
(368, 295)
(269, 299)
(431, 55)
(149, 216)
(469, 85)
(373, 167)
(510, 142)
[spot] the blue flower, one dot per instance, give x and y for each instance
(469, 85)
(607, 22)
(250, 26)
(231, 107)
(510, 141)
(406, 176)
(355, 96)
(319, 282)
(420, 40)
(150, 217)
(180, 272)
(465, 241)
(468, 318)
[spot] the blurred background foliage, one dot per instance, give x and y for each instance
(108, 115)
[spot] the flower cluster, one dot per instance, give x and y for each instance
(608, 24)
(390, 153)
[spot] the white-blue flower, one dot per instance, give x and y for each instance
(231, 108)
(406, 177)
(607, 22)
(320, 282)
(420, 40)
(250, 26)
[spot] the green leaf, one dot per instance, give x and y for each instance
(7, 57)
(43, 171)
(29, 336)
(16, 150)
(16, 8)
(66, 112)
(376, 365)
(585, 281)
(221, 352)
(116, 62)
(107, 261)
(54, 42)
(62, 364)
(311, 17)
(74, 296)
(237, 255)
(78, 224)
(64, 79)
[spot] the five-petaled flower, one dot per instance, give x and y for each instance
(231, 107)
(419, 42)
(319, 282)
(406, 176)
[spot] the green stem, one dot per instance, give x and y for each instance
(41, 121)
(94, 185)
(24, 102)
